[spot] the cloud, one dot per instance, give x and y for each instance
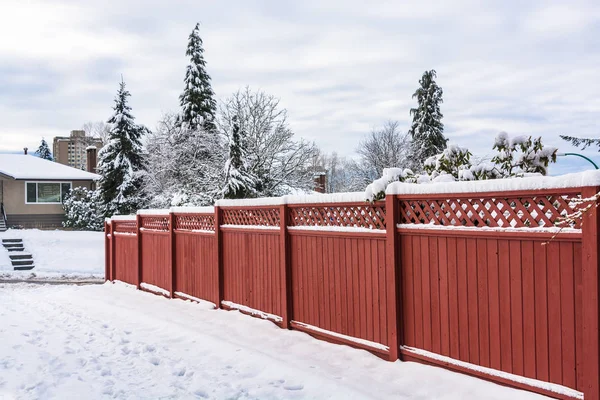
(341, 68)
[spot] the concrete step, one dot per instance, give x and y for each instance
(15, 248)
(23, 267)
(12, 240)
(24, 256)
(12, 244)
(22, 262)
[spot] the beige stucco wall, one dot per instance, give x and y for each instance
(14, 199)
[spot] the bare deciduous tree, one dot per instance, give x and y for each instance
(385, 147)
(279, 163)
(99, 130)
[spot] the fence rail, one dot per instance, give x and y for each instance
(479, 283)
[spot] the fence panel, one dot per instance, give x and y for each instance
(156, 252)
(483, 284)
(125, 251)
(196, 264)
(338, 265)
(253, 276)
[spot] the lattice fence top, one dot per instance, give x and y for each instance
(191, 222)
(125, 226)
(155, 223)
(527, 211)
(349, 216)
(251, 216)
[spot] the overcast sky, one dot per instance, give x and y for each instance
(340, 68)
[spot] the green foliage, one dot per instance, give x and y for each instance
(82, 210)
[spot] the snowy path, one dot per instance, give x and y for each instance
(110, 341)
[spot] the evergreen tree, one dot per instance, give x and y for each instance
(198, 105)
(427, 129)
(239, 183)
(44, 151)
(121, 162)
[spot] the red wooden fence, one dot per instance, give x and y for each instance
(478, 283)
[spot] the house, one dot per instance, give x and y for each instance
(32, 190)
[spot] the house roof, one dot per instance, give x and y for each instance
(20, 166)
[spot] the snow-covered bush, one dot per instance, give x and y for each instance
(454, 160)
(82, 210)
(522, 155)
(517, 157)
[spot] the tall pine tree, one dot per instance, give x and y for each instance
(121, 162)
(427, 128)
(239, 183)
(44, 151)
(198, 105)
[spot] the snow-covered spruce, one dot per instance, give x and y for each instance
(121, 163)
(427, 127)
(198, 105)
(44, 151)
(239, 182)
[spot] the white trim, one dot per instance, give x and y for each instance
(354, 229)
(124, 234)
(539, 229)
(252, 311)
(363, 342)
(551, 387)
(36, 191)
(257, 227)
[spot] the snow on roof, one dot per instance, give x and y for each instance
(580, 179)
(20, 166)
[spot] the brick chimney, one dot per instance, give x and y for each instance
(92, 158)
(320, 181)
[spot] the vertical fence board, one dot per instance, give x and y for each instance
(554, 333)
(505, 309)
(494, 303)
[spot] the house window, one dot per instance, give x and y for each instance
(46, 192)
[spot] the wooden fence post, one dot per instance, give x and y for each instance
(172, 253)
(590, 264)
(285, 265)
(138, 233)
(113, 255)
(392, 277)
(107, 258)
(219, 255)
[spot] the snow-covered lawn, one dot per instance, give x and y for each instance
(57, 254)
(100, 341)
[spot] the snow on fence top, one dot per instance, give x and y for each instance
(193, 210)
(295, 199)
(123, 217)
(165, 211)
(581, 179)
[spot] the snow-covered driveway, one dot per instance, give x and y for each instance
(111, 341)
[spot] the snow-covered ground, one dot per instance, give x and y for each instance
(111, 341)
(57, 254)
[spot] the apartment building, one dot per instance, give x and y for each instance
(71, 150)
